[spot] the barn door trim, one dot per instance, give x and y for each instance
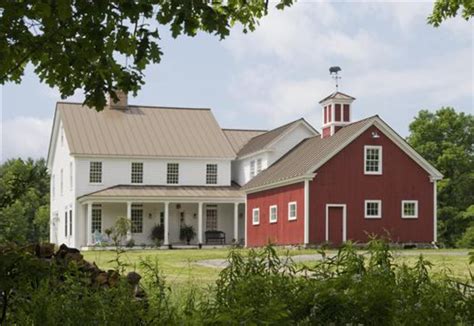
(344, 220)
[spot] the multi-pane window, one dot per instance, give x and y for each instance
(259, 166)
(137, 218)
(252, 169)
(292, 211)
(172, 175)
(373, 209)
(53, 186)
(65, 223)
(70, 222)
(211, 174)
(256, 216)
(409, 208)
(96, 218)
(373, 159)
(273, 213)
(61, 182)
(137, 172)
(95, 172)
(70, 176)
(211, 218)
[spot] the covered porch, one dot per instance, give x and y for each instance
(216, 214)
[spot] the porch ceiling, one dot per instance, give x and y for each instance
(232, 192)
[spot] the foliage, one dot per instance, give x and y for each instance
(350, 288)
(158, 234)
(467, 239)
(444, 9)
(106, 45)
(24, 201)
(186, 233)
(445, 138)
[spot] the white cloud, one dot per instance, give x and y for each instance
(25, 137)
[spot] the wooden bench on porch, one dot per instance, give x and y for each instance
(215, 236)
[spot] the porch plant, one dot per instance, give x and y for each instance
(158, 234)
(186, 233)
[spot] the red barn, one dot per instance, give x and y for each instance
(354, 180)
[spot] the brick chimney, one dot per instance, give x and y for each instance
(336, 112)
(122, 102)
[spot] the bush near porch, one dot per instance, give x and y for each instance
(258, 287)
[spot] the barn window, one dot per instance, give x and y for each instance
(259, 166)
(273, 214)
(373, 209)
(373, 159)
(292, 211)
(252, 169)
(137, 172)
(256, 216)
(409, 208)
(96, 218)
(172, 176)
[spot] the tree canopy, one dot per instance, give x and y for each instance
(444, 9)
(101, 46)
(446, 139)
(24, 201)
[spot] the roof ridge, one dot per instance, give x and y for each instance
(142, 106)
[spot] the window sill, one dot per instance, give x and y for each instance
(292, 219)
(372, 173)
(373, 217)
(273, 222)
(409, 217)
(253, 223)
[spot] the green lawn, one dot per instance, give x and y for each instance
(180, 266)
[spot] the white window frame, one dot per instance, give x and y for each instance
(292, 218)
(373, 201)
(379, 171)
(101, 172)
(258, 166)
(252, 169)
(172, 174)
(409, 202)
(136, 173)
(256, 221)
(270, 214)
(211, 174)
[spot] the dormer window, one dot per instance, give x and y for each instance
(372, 159)
(252, 169)
(259, 166)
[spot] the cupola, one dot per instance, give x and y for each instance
(336, 112)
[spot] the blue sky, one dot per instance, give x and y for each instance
(392, 62)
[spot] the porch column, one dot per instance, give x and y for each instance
(89, 225)
(129, 218)
(200, 222)
(166, 232)
(236, 222)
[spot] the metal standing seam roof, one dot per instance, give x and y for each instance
(143, 131)
(141, 191)
(305, 155)
(260, 142)
(239, 137)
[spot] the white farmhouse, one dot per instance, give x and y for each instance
(155, 166)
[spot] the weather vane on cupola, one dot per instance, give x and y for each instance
(334, 72)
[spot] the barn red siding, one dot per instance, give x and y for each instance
(283, 231)
(342, 181)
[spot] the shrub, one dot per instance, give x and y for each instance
(467, 240)
(158, 234)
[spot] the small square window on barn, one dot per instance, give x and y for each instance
(256, 216)
(292, 211)
(372, 159)
(409, 208)
(373, 209)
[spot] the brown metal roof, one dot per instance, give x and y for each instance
(136, 191)
(239, 137)
(143, 131)
(260, 142)
(307, 154)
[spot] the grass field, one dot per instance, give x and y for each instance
(181, 268)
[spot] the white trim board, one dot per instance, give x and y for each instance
(344, 220)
